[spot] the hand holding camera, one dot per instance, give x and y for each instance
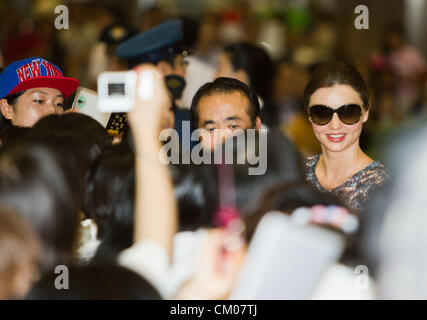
(141, 92)
(152, 100)
(155, 205)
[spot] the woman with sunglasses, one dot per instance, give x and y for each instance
(337, 101)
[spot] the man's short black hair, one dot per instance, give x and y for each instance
(225, 85)
(257, 64)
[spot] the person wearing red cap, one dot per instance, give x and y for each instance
(31, 89)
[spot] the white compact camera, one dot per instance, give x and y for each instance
(116, 90)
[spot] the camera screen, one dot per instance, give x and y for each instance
(116, 89)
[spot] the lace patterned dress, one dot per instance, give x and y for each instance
(356, 190)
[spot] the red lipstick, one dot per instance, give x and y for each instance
(338, 137)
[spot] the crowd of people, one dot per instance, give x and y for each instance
(309, 146)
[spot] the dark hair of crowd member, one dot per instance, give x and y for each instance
(12, 135)
(190, 192)
(96, 282)
(104, 182)
(286, 197)
(256, 62)
(225, 85)
(283, 163)
(190, 31)
(254, 194)
(12, 100)
(33, 185)
(77, 141)
(337, 73)
(118, 226)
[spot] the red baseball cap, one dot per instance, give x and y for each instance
(34, 73)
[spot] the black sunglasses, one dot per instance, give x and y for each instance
(322, 115)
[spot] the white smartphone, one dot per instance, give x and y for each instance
(86, 102)
(285, 261)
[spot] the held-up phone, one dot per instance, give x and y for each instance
(86, 102)
(286, 260)
(116, 90)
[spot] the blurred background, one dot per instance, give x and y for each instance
(298, 35)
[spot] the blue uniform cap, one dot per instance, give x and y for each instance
(153, 45)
